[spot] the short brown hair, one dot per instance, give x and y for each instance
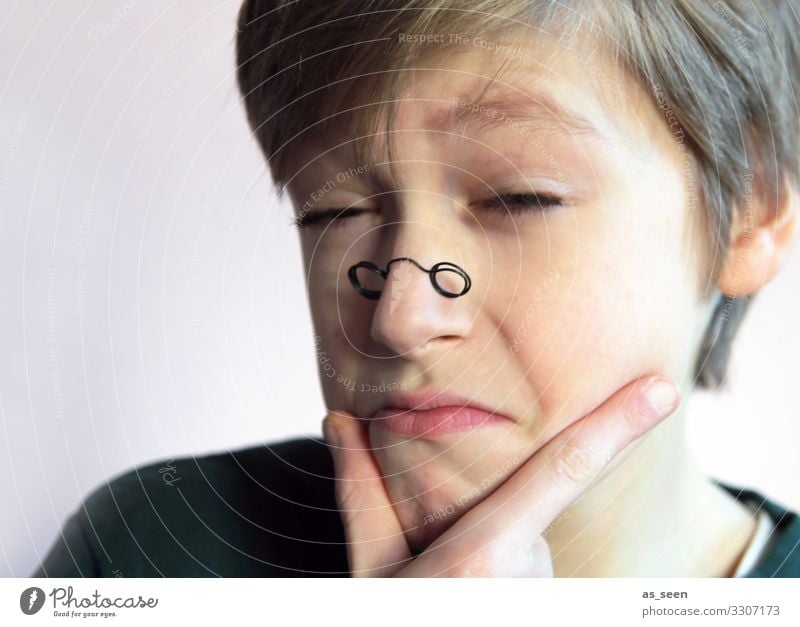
(725, 72)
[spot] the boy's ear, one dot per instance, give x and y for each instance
(757, 251)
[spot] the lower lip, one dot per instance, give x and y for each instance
(450, 419)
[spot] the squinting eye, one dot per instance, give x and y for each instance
(335, 216)
(504, 205)
(511, 205)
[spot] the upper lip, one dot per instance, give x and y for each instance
(430, 400)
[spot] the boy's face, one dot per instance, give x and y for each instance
(568, 302)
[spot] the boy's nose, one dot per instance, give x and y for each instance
(411, 316)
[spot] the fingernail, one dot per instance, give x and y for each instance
(330, 433)
(662, 394)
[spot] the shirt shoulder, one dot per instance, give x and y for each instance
(263, 511)
(780, 556)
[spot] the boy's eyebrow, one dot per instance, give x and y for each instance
(507, 107)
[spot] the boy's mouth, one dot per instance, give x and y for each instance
(427, 414)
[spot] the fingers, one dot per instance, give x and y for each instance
(376, 545)
(569, 464)
(497, 534)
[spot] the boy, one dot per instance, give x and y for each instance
(617, 180)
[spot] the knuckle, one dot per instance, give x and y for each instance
(540, 550)
(483, 558)
(485, 562)
(515, 556)
(466, 570)
(541, 561)
(575, 463)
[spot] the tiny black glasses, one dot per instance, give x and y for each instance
(447, 278)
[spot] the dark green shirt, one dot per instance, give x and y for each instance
(266, 511)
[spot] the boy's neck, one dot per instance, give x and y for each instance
(655, 515)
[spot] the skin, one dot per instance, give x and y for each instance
(573, 308)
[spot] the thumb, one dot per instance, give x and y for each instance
(376, 544)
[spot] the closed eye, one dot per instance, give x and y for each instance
(504, 205)
(324, 216)
(522, 202)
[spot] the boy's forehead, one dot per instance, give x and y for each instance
(545, 87)
(517, 102)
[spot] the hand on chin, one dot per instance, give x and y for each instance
(433, 482)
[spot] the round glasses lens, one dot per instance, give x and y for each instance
(369, 279)
(450, 279)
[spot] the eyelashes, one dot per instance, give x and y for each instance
(522, 202)
(324, 216)
(504, 206)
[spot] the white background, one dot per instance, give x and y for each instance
(153, 299)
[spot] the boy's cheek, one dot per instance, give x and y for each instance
(602, 330)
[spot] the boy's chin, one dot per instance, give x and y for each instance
(424, 522)
(432, 487)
